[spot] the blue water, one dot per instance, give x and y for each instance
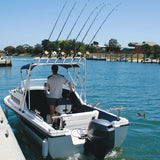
(121, 84)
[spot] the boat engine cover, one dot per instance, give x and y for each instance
(100, 138)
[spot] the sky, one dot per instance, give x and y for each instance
(31, 21)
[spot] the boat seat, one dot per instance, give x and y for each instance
(79, 120)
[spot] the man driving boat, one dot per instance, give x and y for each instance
(55, 85)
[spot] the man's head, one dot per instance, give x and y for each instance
(54, 69)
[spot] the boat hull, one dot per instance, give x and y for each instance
(120, 135)
(5, 61)
(67, 144)
(58, 147)
(63, 147)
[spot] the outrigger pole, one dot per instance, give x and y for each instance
(57, 20)
(66, 20)
(77, 19)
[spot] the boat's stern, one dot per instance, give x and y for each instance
(121, 128)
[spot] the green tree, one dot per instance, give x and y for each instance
(82, 49)
(95, 43)
(26, 46)
(92, 49)
(67, 46)
(155, 51)
(107, 47)
(70, 48)
(114, 45)
(62, 45)
(20, 49)
(53, 46)
(29, 49)
(146, 49)
(45, 43)
(38, 49)
(10, 49)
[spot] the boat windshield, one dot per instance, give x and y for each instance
(34, 82)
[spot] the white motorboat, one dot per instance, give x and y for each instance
(147, 60)
(5, 60)
(100, 58)
(122, 59)
(81, 127)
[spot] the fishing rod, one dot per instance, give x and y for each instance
(86, 22)
(66, 20)
(77, 19)
(109, 14)
(57, 20)
(85, 25)
(91, 25)
(93, 22)
(54, 28)
(76, 22)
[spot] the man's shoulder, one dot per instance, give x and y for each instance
(49, 76)
(60, 75)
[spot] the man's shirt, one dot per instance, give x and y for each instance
(55, 83)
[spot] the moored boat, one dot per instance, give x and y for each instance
(80, 127)
(147, 60)
(5, 60)
(100, 58)
(122, 59)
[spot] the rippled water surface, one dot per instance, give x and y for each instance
(132, 85)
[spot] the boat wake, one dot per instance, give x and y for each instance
(74, 157)
(115, 154)
(110, 156)
(79, 156)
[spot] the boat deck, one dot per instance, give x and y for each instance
(9, 148)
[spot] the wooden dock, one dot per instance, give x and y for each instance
(9, 148)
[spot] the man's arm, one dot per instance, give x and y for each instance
(70, 86)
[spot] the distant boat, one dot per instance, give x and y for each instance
(5, 60)
(122, 59)
(100, 58)
(147, 60)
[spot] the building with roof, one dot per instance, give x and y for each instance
(138, 46)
